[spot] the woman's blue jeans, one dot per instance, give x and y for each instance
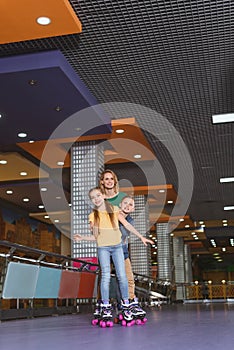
(104, 257)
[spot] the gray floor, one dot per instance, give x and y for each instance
(179, 326)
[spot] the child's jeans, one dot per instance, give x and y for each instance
(104, 255)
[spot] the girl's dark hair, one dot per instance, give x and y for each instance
(109, 209)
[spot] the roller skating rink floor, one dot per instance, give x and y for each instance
(200, 326)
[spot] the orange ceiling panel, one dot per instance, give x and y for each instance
(123, 146)
(18, 19)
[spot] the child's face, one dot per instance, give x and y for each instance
(96, 198)
(127, 205)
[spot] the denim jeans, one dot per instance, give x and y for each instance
(104, 255)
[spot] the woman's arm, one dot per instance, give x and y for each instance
(132, 229)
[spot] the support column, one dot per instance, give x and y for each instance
(164, 252)
(140, 254)
(87, 162)
(179, 263)
(188, 264)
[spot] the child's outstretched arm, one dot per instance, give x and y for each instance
(132, 229)
(77, 237)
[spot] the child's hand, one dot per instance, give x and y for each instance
(146, 240)
(77, 237)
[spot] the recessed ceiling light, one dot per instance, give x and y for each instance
(2, 161)
(41, 206)
(44, 21)
(181, 220)
(227, 179)
(186, 226)
(43, 189)
(60, 163)
(32, 82)
(169, 202)
(23, 173)
(31, 141)
(58, 197)
(223, 118)
(22, 134)
(46, 216)
(230, 207)
(119, 131)
(25, 199)
(56, 220)
(161, 191)
(137, 156)
(9, 191)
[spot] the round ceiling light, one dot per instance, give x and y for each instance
(43, 21)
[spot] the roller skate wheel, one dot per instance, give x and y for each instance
(129, 324)
(145, 320)
(94, 322)
(109, 324)
(120, 317)
(123, 323)
(138, 322)
(103, 324)
(133, 322)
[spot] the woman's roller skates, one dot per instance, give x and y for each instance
(125, 317)
(103, 316)
(139, 315)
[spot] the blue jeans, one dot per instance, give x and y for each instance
(104, 255)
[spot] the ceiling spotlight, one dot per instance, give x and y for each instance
(43, 21)
(119, 131)
(2, 161)
(58, 108)
(46, 216)
(25, 199)
(137, 156)
(9, 192)
(22, 134)
(60, 163)
(43, 189)
(41, 206)
(32, 82)
(23, 173)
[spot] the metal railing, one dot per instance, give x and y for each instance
(17, 308)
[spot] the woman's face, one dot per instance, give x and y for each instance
(96, 198)
(108, 181)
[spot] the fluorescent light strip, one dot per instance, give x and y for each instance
(227, 179)
(231, 207)
(223, 118)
